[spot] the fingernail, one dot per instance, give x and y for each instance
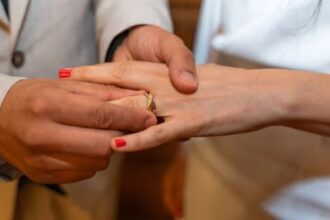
(64, 73)
(188, 77)
(120, 143)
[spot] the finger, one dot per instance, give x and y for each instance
(58, 162)
(75, 141)
(140, 102)
(100, 91)
(128, 75)
(135, 102)
(149, 138)
(181, 63)
(61, 177)
(85, 111)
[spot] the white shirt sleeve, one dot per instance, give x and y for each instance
(6, 82)
(114, 17)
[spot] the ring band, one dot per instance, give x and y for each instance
(151, 106)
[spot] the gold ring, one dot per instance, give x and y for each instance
(151, 106)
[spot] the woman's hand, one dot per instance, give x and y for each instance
(229, 100)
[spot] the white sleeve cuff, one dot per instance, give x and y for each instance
(6, 82)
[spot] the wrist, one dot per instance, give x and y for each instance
(273, 101)
(239, 99)
(282, 94)
(303, 99)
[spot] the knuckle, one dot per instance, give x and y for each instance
(103, 118)
(82, 72)
(131, 103)
(39, 106)
(121, 70)
(32, 139)
(160, 134)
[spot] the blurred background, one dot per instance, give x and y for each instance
(145, 170)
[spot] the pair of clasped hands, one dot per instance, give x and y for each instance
(65, 130)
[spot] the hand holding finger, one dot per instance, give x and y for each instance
(88, 112)
(55, 133)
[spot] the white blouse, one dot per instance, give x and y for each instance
(292, 34)
(283, 33)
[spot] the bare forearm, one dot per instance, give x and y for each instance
(302, 98)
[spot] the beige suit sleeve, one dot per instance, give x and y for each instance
(114, 17)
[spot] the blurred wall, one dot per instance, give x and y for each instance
(185, 16)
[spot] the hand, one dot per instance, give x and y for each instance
(59, 131)
(150, 43)
(228, 101)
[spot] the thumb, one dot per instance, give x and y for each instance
(181, 63)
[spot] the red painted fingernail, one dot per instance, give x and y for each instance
(64, 73)
(120, 143)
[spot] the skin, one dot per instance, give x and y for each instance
(149, 43)
(154, 44)
(58, 131)
(61, 132)
(228, 101)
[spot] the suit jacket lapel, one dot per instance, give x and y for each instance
(17, 10)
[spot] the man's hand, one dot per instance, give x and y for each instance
(153, 44)
(60, 131)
